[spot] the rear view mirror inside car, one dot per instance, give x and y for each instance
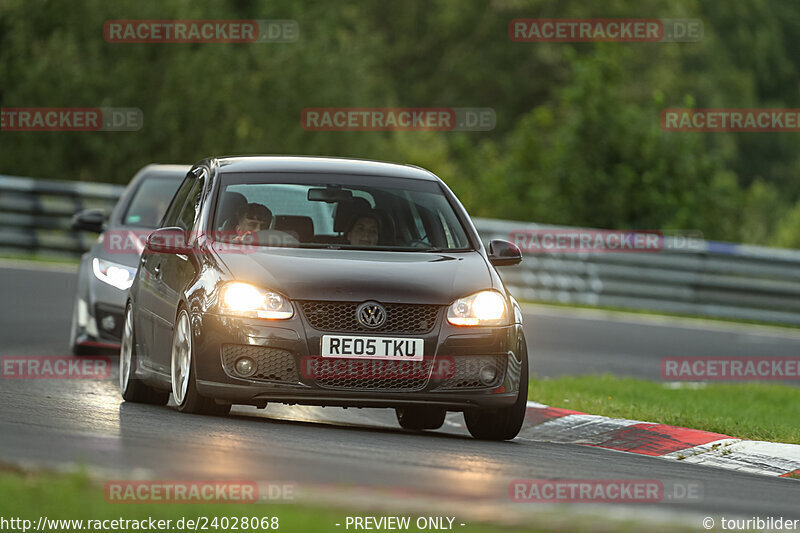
(330, 195)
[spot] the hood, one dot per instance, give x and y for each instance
(123, 245)
(356, 275)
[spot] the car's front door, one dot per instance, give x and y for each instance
(176, 271)
(150, 284)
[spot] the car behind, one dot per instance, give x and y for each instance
(106, 270)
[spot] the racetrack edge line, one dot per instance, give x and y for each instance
(660, 440)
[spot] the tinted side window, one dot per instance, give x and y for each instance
(149, 203)
(171, 217)
(189, 212)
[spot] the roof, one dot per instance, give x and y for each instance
(332, 165)
(155, 168)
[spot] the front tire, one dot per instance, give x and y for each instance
(132, 389)
(505, 423)
(184, 386)
(420, 418)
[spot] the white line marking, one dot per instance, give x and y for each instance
(536, 405)
(576, 429)
(693, 452)
(757, 457)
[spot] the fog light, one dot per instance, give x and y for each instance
(488, 374)
(245, 366)
(108, 322)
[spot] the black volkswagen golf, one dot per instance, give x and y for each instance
(324, 281)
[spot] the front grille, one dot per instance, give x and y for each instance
(374, 375)
(272, 364)
(408, 319)
(466, 374)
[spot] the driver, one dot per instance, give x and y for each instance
(255, 217)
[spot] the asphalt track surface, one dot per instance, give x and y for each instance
(55, 423)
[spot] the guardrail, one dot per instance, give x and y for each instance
(35, 214)
(712, 280)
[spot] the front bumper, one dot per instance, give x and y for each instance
(98, 325)
(289, 370)
(98, 311)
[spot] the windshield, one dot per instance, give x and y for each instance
(150, 201)
(332, 211)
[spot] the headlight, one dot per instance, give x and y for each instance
(243, 299)
(485, 308)
(116, 275)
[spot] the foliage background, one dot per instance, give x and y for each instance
(577, 141)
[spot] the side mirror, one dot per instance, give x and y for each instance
(504, 253)
(89, 220)
(168, 241)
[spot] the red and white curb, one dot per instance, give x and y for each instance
(552, 424)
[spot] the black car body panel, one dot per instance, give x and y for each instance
(322, 284)
(310, 274)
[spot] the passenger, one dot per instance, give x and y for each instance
(364, 231)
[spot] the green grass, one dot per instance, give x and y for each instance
(74, 496)
(756, 411)
(30, 495)
(51, 259)
(648, 312)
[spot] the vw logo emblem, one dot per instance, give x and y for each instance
(371, 315)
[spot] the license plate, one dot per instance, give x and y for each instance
(386, 348)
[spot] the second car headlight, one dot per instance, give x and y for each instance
(485, 308)
(116, 275)
(243, 299)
